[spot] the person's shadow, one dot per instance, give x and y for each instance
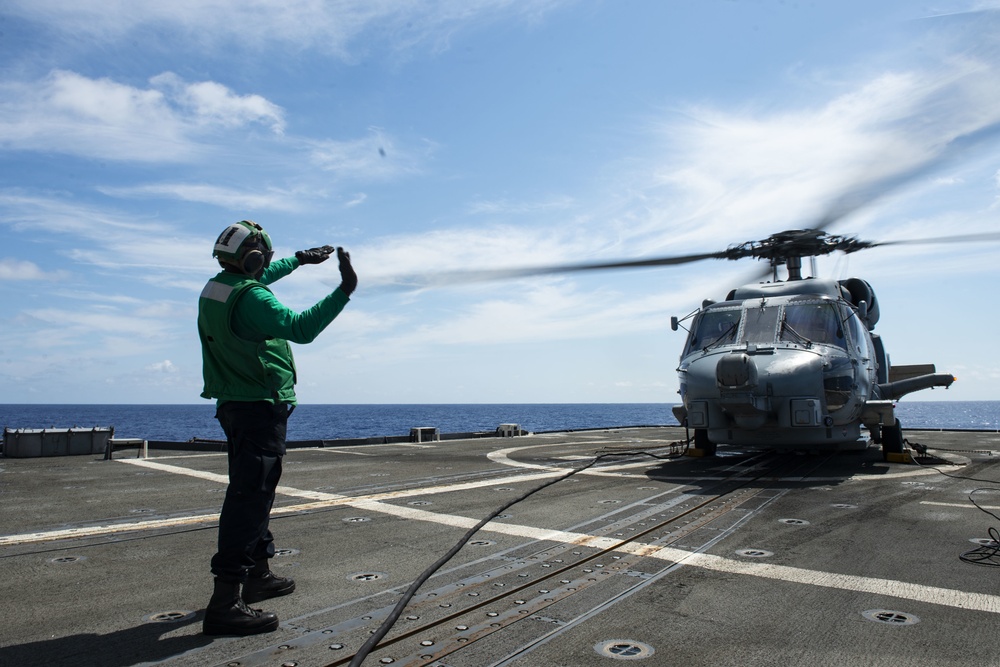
(131, 646)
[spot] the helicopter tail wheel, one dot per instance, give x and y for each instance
(702, 445)
(892, 444)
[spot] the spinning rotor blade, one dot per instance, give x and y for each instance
(959, 238)
(446, 278)
(870, 190)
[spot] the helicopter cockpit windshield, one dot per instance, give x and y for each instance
(716, 326)
(801, 322)
(761, 323)
(813, 322)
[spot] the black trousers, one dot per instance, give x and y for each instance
(255, 440)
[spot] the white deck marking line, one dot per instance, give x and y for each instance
(321, 501)
(917, 472)
(859, 584)
(190, 456)
(388, 495)
(502, 457)
(964, 506)
(873, 585)
(105, 529)
(342, 450)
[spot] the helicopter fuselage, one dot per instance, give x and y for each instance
(780, 365)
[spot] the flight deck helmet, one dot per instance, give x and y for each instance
(245, 247)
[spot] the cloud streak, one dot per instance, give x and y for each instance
(12, 270)
(72, 114)
(273, 199)
(336, 28)
(748, 173)
(374, 157)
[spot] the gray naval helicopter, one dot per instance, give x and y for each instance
(790, 364)
(794, 363)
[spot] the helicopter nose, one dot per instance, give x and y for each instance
(736, 371)
(736, 377)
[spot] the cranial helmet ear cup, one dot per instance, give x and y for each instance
(252, 262)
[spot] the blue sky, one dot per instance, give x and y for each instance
(470, 134)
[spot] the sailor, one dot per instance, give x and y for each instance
(248, 369)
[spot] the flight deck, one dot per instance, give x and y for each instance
(600, 547)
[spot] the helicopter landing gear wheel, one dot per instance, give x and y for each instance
(702, 445)
(892, 440)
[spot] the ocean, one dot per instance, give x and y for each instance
(180, 423)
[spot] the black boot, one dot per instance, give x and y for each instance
(228, 614)
(263, 584)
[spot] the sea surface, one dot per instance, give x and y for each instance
(180, 423)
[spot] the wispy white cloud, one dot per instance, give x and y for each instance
(168, 121)
(15, 270)
(740, 173)
(549, 311)
(375, 156)
(165, 366)
(55, 216)
(356, 200)
(108, 324)
(508, 207)
(209, 103)
(95, 236)
(333, 27)
(230, 198)
(492, 246)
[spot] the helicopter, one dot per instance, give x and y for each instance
(794, 363)
(787, 364)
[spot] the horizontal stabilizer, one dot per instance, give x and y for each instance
(900, 388)
(912, 371)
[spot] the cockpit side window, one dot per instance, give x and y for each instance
(858, 334)
(714, 327)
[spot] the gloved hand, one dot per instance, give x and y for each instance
(314, 255)
(348, 278)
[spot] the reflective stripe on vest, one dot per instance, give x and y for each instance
(216, 291)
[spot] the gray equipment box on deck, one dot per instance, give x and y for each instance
(28, 442)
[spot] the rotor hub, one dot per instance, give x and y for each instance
(794, 244)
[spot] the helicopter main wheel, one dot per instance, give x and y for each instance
(892, 440)
(702, 443)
